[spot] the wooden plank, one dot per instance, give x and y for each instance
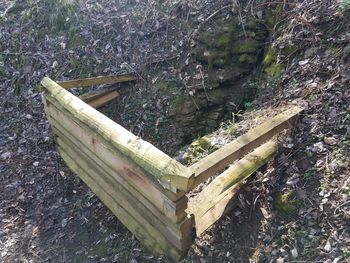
(220, 159)
(94, 94)
(103, 100)
(88, 82)
(210, 204)
(136, 208)
(166, 202)
(168, 172)
(142, 229)
(167, 213)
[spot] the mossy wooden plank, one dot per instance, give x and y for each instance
(220, 159)
(103, 100)
(88, 82)
(143, 230)
(169, 173)
(135, 207)
(167, 214)
(210, 204)
(125, 172)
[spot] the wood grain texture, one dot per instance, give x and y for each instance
(220, 159)
(88, 82)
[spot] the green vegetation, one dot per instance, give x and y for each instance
(345, 5)
(286, 202)
(308, 175)
(346, 253)
(64, 21)
(199, 148)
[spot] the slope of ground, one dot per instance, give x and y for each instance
(299, 211)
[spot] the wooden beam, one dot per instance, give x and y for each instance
(94, 94)
(215, 199)
(88, 82)
(220, 159)
(168, 172)
(103, 100)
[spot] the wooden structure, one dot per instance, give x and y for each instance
(145, 188)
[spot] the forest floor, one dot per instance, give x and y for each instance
(47, 214)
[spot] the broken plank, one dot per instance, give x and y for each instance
(88, 82)
(220, 159)
(103, 100)
(210, 204)
(94, 94)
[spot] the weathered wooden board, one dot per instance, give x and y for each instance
(88, 82)
(169, 215)
(167, 171)
(125, 199)
(99, 98)
(220, 159)
(172, 213)
(215, 199)
(124, 170)
(103, 100)
(94, 94)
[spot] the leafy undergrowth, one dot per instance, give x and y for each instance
(298, 211)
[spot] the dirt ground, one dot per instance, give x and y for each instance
(47, 214)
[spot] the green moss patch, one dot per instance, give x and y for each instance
(286, 202)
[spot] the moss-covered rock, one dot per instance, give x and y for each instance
(275, 70)
(273, 66)
(286, 202)
(249, 46)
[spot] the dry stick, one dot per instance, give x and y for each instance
(216, 12)
(205, 91)
(240, 17)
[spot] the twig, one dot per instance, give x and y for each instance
(338, 207)
(203, 85)
(216, 12)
